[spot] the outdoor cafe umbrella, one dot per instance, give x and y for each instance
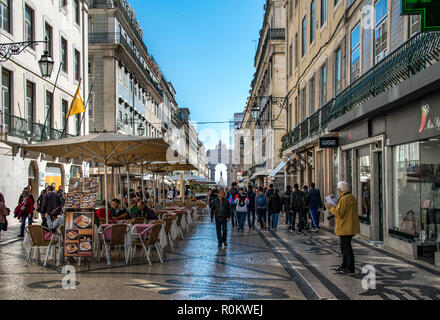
(107, 148)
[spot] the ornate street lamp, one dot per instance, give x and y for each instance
(255, 111)
(46, 65)
(12, 49)
(141, 129)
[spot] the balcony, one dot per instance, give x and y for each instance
(121, 6)
(316, 123)
(115, 38)
(410, 58)
(29, 130)
(272, 34)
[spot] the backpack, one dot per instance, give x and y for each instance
(230, 199)
(261, 202)
(242, 200)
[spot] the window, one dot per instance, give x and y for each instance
(49, 37)
(323, 86)
(312, 21)
(30, 100)
(290, 60)
(77, 65)
(296, 111)
(312, 96)
(64, 112)
(5, 23)
(90, 69)
(338, 71)
(304, 37)
(364, 187)
(120, 115)
(323, 12)
(63, 54)
(303, 104)
(291, 10)
(6, 91)
(29, 24)
(296, 50)
(126, 119)
(77, 123)
(414, 25)
(355, 52)
(76, 12)
(380, 31)
(48, 113)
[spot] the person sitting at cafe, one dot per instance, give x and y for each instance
(119, 213)
(133, 207)
(144, 211)
(100, 212)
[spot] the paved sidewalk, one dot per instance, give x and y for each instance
(256, 265)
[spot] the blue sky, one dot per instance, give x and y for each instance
(206, 48)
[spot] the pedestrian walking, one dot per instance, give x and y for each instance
(25, 210)
(274, 208)
(4, 212)
(269, 193)
(297, 208)
(221, 210)
(40, 202)
(232, 194)
(241, 207)
(346, 226)
(286, 204)
(314, 200)
(306, 224)
(251, 208)
(261, 205)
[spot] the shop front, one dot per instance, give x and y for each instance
(413, 141)
(361, 165)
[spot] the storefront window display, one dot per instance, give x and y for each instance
(416, 175)
(365, 185)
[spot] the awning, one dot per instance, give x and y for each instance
(277, 169)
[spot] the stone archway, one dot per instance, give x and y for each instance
(33, 178)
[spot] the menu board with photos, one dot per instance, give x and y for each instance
(75, 185)
(90, 185)
(79, 234)
(88, 201)
(73, 201)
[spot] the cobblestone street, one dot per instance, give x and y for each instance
(256, 265)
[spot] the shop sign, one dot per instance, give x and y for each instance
(328, 142)
(240, 176)
(429, 10)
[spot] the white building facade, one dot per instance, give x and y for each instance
(32, 109)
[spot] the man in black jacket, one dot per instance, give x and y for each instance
(51, 204)
(221, 210)
(251, 208)
(297, 207)
(286, 204)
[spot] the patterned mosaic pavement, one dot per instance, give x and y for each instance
(256, 265)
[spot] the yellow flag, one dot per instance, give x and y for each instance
(77, 105)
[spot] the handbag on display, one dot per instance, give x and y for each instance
(409, 223)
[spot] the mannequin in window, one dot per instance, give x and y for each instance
(433, 215)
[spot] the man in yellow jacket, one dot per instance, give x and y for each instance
(346, 226)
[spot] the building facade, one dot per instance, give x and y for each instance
(33, 109)
(363, 108)
(262, 136)
(130, 93)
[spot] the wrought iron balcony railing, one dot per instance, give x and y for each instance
(25, 129)
(410, 58)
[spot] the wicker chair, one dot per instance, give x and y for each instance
(117, 239)
(146, 239)
(168, 224)
(38, 241)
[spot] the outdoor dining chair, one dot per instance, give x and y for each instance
(146, 239)
(168, 224)
(180, 216)
(41, 237)
(114, 235)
